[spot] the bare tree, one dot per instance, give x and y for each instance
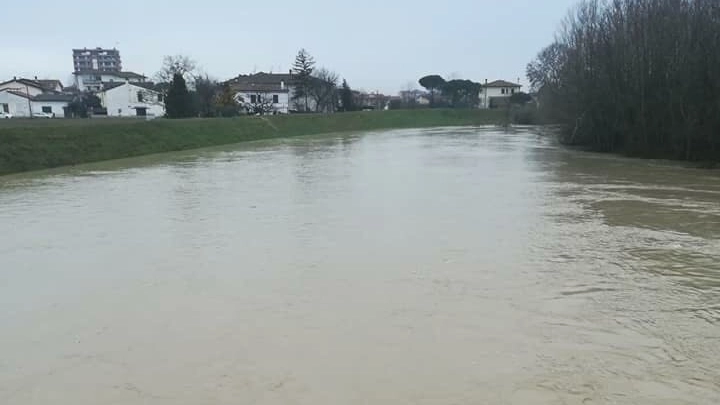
(323, 90)
(260, 104)
(207, 92)
(639, 76)
(177, 64)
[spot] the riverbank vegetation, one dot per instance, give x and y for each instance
(636, 76)
(40, 144)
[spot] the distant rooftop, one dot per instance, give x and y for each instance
(53, 97)
(93, 49)
(263, 81)
(110, 86)
(124, 75)
(43, 96)
(501, 83)
(45, 85)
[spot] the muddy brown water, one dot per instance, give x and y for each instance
(443, 266)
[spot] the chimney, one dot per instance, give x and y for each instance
(35, 77)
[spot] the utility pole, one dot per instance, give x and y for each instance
(27, 92)
(486, 95)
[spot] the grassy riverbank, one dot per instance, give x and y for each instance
(40, 144)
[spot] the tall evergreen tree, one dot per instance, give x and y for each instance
(303, 68)
(432, 83)
(178, 102)
(346, 97)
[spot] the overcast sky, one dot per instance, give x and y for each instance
(375, 44)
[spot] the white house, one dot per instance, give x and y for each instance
(94, 81)
(497, 93)
(19, 104)
(27, 86)
(131, 100)
(274, 90)
(14, 102)
(274, 98)
(55, 104)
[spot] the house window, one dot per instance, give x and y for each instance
(5, 108)
(253, 98)
(47, 109)
(502, 91)
(512, 91)
(140, 96)
(276, 99)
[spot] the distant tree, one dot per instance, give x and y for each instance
(303, 69)
(323, 90)
(462, 93)
(346, 97)
(92, 101)
(408, 95)
(395, 104)
(226, 103)
(177, 64)
(84, 104)
(520, 98)
(206, 92)
(178, 102)
(432, 83)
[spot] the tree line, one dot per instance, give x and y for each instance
(189, 93)
(637, 76)
(455, 93)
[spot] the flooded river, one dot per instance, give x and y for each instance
(445, 266)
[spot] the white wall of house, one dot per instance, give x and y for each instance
(283, 99)
(17, 86)
(486, 93)
(53, 107)
(14, 104)
(123, 101)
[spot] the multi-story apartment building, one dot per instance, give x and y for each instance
(97, 60)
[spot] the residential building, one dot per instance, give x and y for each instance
(95, 81)
(274, 89)
(497, 93)
(371, 101)
(96, 67)
(416, 97)
(15, 102)
(272, 98)
(129, 99)
(21, 104)
(277, 90)
(98, 60)
(56, 104)
(31, 87)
